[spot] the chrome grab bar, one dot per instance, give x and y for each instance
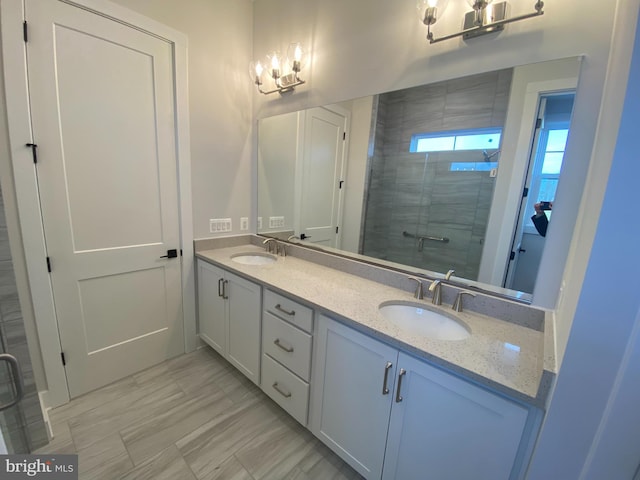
(422, 238)
(17, 379)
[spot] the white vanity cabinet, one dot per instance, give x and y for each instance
(392, 416)
(286, 345)
(229, 310)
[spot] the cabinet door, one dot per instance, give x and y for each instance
(349, 411)
(211, 307)
(243, 338)
(447, 428)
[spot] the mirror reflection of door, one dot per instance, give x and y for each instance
(545, 165)
(321, 170)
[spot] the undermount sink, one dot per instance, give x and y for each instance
(417, 319)
(253, 258)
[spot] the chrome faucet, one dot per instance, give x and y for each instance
(267, 245)
(281, 249)
(419, 293)
(447, 275)
(292, 238)
(436, 289)
(457, 305)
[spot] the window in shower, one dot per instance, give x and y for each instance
(456, 140)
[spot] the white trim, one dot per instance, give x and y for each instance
(17, 98)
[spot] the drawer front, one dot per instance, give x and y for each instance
(285, 389)
(287, 344)
(289, 310)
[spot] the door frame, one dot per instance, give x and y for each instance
(27, 195)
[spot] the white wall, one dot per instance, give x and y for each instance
(361, 110)
(220, 102)
(278, 137)
(598, 377)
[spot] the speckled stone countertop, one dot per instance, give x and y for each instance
(504, 356)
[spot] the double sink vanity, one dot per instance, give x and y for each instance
(396, 386)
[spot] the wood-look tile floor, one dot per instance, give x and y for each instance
(192, 417)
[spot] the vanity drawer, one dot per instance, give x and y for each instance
(285, 389)
(289, 310)
(287, 344)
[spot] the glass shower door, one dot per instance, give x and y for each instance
(14, 435)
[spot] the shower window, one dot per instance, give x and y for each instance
(456, 140)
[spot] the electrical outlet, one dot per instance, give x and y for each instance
(220, 225)
(259, 223)
(244, 223)
(276, 222)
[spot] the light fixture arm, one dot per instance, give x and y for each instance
(480, 27)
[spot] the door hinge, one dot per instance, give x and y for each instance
(512, 256)
(48, 265)
(525, 192)
(25, 35)
(337, 229)
(34, 151)
(538, 123)
(64, 360)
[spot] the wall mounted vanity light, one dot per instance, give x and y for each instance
(487, 16)
(284, 73)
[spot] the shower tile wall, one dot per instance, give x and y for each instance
(417, 193)
(22, 425)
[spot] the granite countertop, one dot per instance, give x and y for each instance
(502, 355)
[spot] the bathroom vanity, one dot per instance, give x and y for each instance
(392, 402)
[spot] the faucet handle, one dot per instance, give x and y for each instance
(419, 294)
(457, 305)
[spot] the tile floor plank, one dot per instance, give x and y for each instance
(193, 417)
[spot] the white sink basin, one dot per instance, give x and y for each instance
(417, 319)
(253, 258)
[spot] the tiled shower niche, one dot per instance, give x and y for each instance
(419, 194)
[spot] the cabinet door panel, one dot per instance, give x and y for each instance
(350, 413)
(447, 428)
(211, 307)
(243, 337)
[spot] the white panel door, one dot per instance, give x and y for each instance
(446, 428)
(350, 404)
(102, 104)
(322, 166)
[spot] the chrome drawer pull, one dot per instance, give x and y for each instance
(287, 312)
(402, 373)
(277, 343)
(385, 388)
(281, 392)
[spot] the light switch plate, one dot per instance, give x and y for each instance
(220, 225)
(259, 223)
(244, 223)
(276, 222)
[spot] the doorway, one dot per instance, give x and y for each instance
(543, 175)
(108, 201)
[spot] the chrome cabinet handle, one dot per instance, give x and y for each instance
(402, 373)
(287, 312)
(224, 289)
(280, 391)
(385, 388)
(17, 379)
(277, 343)
(220, 292)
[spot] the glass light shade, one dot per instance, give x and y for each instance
(296, 57)
(274, 64)
(483, 3)
(256, 69)
(423, 5)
